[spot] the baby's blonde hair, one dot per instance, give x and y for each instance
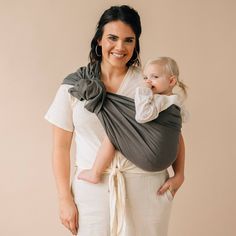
(171, 68)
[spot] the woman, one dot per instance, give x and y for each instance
(128, 201)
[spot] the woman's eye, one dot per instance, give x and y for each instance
(113, 38)
(129, 40)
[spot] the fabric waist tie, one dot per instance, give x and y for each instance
(118, 191)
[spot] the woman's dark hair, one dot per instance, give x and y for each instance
(128, 16)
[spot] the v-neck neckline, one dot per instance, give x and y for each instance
(123, 82)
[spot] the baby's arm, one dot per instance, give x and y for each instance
(146, 107)
(104, 158)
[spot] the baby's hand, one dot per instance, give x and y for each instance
(147, 84)
(173, 184)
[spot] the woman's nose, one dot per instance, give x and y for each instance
(119, 45)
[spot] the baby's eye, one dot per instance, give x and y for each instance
(154, 77)
(145, 77)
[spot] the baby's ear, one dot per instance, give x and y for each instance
(173, 80)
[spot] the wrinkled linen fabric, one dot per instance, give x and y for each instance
(151, 146)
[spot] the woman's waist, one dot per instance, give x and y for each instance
(119, 163)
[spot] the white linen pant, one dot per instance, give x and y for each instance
(146, 213)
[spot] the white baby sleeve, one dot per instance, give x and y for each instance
(60, 112)
(149, 105)
(145, 107)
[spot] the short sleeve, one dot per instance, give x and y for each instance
(60, 112)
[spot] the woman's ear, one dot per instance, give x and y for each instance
(99, 42)
(173, 80)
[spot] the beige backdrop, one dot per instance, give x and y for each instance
(42, 41)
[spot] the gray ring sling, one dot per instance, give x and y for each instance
(151, 146)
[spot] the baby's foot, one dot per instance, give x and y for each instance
(89, 175)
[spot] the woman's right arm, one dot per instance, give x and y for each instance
(61, 168)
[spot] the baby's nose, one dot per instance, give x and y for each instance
(148, 80)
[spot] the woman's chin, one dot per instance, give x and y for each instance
(118, 63)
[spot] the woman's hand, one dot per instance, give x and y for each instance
(173, 184)
(69, 215)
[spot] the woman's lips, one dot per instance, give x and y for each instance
(118, 55)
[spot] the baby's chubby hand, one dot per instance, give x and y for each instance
(147, 84)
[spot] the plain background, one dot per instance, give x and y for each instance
(43, 41)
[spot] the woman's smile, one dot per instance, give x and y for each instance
(118, 55)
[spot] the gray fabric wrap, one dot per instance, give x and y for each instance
(151, 146)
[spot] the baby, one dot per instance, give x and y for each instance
(160, 77)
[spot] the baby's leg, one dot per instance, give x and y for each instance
(104, 158)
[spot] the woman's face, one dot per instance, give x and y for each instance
(118, 43)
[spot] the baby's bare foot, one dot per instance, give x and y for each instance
(90, 176)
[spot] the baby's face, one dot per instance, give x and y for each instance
(157, 79)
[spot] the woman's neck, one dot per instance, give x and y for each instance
(112, 77)
(109, 72)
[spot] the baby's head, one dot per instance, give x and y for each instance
(162, 75)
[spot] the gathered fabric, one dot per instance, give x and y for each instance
(117, 191)
(151, 146)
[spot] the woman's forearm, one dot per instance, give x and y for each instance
(61, 161)
(178, 165)
(61, 168)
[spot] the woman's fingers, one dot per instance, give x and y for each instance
(77, 221)
(173, 191)
(163, 188)
(75, 224)
(173, 184)
(73, 227)
(66, 224)
(69, 215)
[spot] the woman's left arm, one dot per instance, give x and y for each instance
(174, 182)
(178, 165)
